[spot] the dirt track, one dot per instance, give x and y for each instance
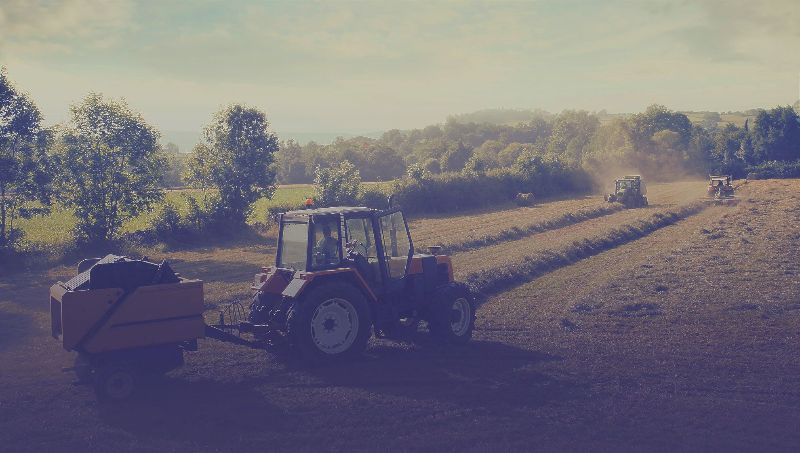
(684, 339)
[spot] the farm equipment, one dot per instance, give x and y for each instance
(339, 273)
(630, 191)
(720, 188)
(127, 320)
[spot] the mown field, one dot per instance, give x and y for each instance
(673, 327)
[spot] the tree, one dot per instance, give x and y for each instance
(456, 157)
(381, 163)
(337, 185)
(291, 166)
(111, 166)
(776, 135)
(658, 118)
(24, 175)
(572, 132)
(175, 166)
(236, 159)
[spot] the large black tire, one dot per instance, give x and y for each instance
(115, 382)
(330, 322)
(451, 318)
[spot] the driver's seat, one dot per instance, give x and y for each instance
(363, 267)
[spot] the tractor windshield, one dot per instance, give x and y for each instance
(293, 245)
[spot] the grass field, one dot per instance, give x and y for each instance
(57, 227)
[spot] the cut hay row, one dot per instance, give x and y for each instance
(489, 281)
(515, 233)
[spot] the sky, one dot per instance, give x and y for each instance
(350, 67)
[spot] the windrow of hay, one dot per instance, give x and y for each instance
(491, 281)
(514, 233)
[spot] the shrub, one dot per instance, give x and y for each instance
(775, 169)
(373, 198)
(338, 185)
(168, 223)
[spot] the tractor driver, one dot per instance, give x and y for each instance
(328, 246)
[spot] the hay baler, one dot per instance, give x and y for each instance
(127, 320)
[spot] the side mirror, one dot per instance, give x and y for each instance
(390, 200)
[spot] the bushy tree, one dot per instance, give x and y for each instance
(111, 166)
(337, 185)
(572, 132)
(456, 157)
(776, 135)
(24, 173)
(417, 172)
(382, 163)
(236, 159)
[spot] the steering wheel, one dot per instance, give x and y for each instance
(352, 247)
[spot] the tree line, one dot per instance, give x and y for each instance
(106, 164)
(649, 142)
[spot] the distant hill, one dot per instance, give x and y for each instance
(500, 116)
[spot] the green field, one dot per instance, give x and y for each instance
(57, 227)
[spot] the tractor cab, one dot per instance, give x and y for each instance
(375, 243)
(342, 271)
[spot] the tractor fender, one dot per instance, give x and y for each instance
(306, 280)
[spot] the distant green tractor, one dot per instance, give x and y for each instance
(630, 191)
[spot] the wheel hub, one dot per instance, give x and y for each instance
(460, 315)
(334, 326)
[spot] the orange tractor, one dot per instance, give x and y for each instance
(343, 272)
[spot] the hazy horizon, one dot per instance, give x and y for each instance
(353, 67)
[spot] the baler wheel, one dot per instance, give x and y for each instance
(114, 383)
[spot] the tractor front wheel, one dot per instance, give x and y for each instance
(330, 322)
(452, 314)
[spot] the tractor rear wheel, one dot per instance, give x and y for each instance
(330, 322)
(452, 314)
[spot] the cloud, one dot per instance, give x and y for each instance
(59, 26)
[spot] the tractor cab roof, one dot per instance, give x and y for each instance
(303, 214)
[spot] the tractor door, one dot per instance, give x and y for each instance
(360, 235)
(395, 246)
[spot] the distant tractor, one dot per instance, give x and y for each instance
(630, 191)
(343, 272)
(719, 187)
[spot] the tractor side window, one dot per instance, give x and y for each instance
(396, 244)
(326, 243)
(294, 242)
